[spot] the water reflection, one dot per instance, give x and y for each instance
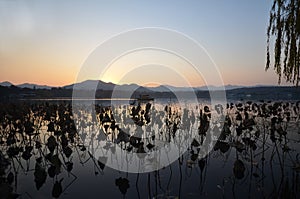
(256, 155)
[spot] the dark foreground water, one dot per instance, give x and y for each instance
(44, 153)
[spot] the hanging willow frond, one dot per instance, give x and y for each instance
(284, 26)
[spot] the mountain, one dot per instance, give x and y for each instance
(100, 85)
(25, 85)
(91, 84)
(231, 87)
(161, 92)
(214, 88)
(167, 88)
(6, 83)
(131, 87)
(33, 86)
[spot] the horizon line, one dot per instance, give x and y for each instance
(228, 84)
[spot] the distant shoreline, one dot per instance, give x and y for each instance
(253, 93)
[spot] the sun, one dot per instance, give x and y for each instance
(109, 79)
(151, 84)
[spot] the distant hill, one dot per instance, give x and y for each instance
(6, 83)
(9, 93)
(100, 85)
(25, 85)
(214, 88)
(33, 86)
(90, 85)
(167, 88)
(106, 90)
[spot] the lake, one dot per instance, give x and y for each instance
(50, 149)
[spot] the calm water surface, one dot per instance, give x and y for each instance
(44, 152)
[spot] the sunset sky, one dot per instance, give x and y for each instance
(46, 42)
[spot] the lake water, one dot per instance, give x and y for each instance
(48, 151)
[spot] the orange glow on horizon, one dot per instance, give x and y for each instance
(151, 85)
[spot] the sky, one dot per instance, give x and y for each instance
(48, 42)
